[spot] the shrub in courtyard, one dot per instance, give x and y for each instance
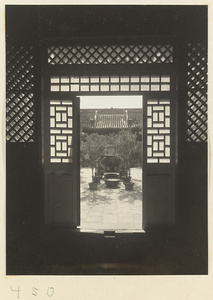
(92, 149)
(126, 145)
(137, 155)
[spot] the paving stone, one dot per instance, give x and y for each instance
(111, 208)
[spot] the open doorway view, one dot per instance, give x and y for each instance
(111, 162)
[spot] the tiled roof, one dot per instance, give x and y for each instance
(111, 118)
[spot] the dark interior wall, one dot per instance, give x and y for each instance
(29, 24)
(23, 173)
(191, 207)
(23, 188)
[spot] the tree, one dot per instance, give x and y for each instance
(137, 156)
(92, 149)
(124, 143)
(125, 146)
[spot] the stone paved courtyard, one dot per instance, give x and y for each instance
(111, 209)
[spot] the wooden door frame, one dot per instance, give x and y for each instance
(110, 70)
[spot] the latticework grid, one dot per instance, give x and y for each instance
(20, 94)
(110, 54)
(158, 131)
(197, 93)
(61, 125)
(113, 83)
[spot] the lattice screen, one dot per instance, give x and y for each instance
(110, 83)
(20, 95)
(197, 93)
(158, 131)
(61, 124)
(123, 54)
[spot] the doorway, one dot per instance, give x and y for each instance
(61, 145)
(111, 151)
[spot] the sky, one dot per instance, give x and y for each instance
(98, 102)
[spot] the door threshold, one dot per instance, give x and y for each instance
(109, 232)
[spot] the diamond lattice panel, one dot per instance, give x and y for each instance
(20, 117)
(20, 95)
(113, 54)
(197, 93)
(19, 68)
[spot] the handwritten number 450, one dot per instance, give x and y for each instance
(35, 291)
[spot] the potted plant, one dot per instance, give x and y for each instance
(127, 179)
(93, 185)
(129, 185)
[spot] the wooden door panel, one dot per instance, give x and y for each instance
(61, 194)
(158, 195)
(61, 156)
(159, 162)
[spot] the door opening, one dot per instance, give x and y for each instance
(110, 126)
(111, 151)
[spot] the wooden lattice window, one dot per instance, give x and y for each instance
(20, 95)
(61, 125)
(110, 83)
(158, 131)
(197, 93)
(110, 54)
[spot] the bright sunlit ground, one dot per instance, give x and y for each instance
(111, 209)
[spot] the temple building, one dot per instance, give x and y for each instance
(106, 121)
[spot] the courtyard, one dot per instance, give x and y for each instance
(111, 209)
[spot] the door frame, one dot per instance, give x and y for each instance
(110, 70)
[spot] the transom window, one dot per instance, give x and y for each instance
(110, 83)
(110, 54)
